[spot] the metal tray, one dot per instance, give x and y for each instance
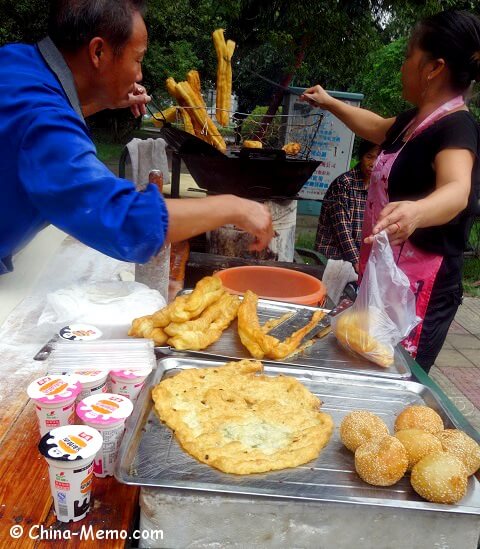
(150, 456)
(325, 353)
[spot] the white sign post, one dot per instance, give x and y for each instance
(331, 143)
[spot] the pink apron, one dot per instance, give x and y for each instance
(420, 267)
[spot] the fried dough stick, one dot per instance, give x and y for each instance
(205, 330)
(224, 52)
(208, 290)
(260, 344)
(183, 308)
(189, 124)
(199, 115)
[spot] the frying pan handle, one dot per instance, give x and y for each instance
(277, 154)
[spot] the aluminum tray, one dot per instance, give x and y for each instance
(150, 456)
(325, 353)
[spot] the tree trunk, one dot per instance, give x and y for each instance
(277, 97)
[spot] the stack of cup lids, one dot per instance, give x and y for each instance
(130, 360)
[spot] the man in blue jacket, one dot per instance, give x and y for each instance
(49, 171)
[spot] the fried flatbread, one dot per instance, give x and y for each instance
(240, 421)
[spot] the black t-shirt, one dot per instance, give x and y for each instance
(412, 177)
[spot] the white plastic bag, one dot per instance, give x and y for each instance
(383, 313)
(101, 303)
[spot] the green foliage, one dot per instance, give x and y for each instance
(174, 60)
(252, 126)
(305, 239)
(380, 79)
(23, 20)
(354, 45)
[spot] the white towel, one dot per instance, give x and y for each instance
(337, 275)
(146, 155)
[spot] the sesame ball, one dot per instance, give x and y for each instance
(381, 461)
(418, 444)
(360, 426)
(462, 446)
(419, 417)
(440, 478)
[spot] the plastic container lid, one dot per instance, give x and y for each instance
(54, 389)
(130, 374)
(104, 409)
(87, 377)
(274, 283)
(70, 443)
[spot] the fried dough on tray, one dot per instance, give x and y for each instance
(205, 330)
(184, 308)
(259, 343)
(238, 420)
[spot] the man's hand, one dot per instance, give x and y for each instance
(399, 219)
(137, 99)
(256, 219)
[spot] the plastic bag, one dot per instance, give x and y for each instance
(101, 303)
(383, 313)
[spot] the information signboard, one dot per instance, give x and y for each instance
(331, 142)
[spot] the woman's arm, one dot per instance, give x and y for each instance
(192, 216)
(362, 122)
(453, 169)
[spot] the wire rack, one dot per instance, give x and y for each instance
(273, 131)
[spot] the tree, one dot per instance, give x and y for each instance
(380, 79)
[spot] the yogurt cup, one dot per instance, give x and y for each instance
(69, 452)
(80, 332)
(107, 413)
(54, 397)
(128, 383)
(93, 382)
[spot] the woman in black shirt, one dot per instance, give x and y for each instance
(425, 183)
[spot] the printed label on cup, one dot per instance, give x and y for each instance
(80, 332)
(70, 452)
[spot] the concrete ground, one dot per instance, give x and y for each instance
(457, 368)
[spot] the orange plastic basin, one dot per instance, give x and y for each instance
(274, 283)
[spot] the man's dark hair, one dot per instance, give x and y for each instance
(454, 36)
(73, 23)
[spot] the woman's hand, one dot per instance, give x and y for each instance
(137, 99)
(399, 220)
(316, 97)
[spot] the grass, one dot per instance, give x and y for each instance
(108, 152)
(471, 275)
(305, 239)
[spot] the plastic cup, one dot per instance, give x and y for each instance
(54, 397)
(69, 452)
(93, 382)
(107, 413)
(128, 383)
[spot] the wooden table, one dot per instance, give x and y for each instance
(25, 498)
(25, 492)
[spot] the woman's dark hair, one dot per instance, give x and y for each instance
(364, 147)
(453, 36)
(73, 23)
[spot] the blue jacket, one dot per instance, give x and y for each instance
(49, 171)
